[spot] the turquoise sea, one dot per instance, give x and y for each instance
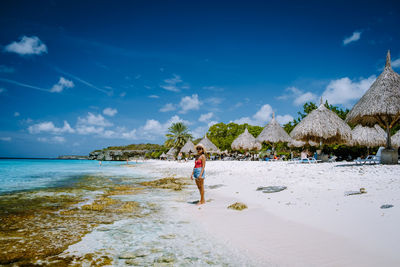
(26, 174)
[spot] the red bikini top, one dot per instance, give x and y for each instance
(198, 163)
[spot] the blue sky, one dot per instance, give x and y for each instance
(81, 75)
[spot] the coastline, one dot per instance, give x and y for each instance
(311, 223)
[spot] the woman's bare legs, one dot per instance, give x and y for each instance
(200, 186)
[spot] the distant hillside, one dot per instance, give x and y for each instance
(128, 152)
(147, 146)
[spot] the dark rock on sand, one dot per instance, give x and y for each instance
(271, 189)
(237, 206)
(215, 186)
(387, 206)
(350, 193)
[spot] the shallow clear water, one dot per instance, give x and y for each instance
(25, 174)
(162, 233)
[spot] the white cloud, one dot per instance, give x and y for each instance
(2, 90)
(168, 107)
(214, 100)
(247, 120)
(123, 94)
(211, 123)
(206, 117)
(27, 46)
(173, 84)
(305, 97)
(353, 38)
(96, 120)
(52, 140)
(154, 128)
(189, 103)
(298, 96)
(5, 69)
(284, 119)
(5, 139)
(110, 111)
(62, 83)
(129, 135)
(89, 129)
(154, 96)
(396, 63)
(16, 114)
(49, 127)
(344, 91)
(262, 116)
(200, 131)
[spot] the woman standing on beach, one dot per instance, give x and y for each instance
(199, 172)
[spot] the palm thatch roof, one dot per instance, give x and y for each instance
(273, 133)
(210, 147)
(381, 103)
(368, 136)
(188, 148)
(245, 141)
(163, 155)
(322, 125)
(396, 139)
(171, 152)
(298, 143)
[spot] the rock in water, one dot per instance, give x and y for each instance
(127, 255)
(387, 206)
(271, 189)
(237, 206)
(134, 254)
(134, 262)
(170, 236)
(166, 258)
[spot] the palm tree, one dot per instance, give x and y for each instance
(177, 136)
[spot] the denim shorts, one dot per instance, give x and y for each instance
(197, 171)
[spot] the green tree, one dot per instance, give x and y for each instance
(177, 136)
(222, 135)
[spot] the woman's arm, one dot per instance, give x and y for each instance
(203, 165)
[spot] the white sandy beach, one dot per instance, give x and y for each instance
(311, 223)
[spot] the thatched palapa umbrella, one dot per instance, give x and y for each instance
(245, 141)
(381, 103)
(322, 126)
(396, 139)
(188, 148)
(297, 143)
(368, 136)
(171, 152)
(210, 147)
(273, 133)
(163, 156)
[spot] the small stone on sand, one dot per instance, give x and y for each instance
(271, 189)
(237, 206)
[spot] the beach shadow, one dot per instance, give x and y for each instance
(193, 202)
(354, 165)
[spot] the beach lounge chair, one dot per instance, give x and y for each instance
(332, 159)
(371, 159)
